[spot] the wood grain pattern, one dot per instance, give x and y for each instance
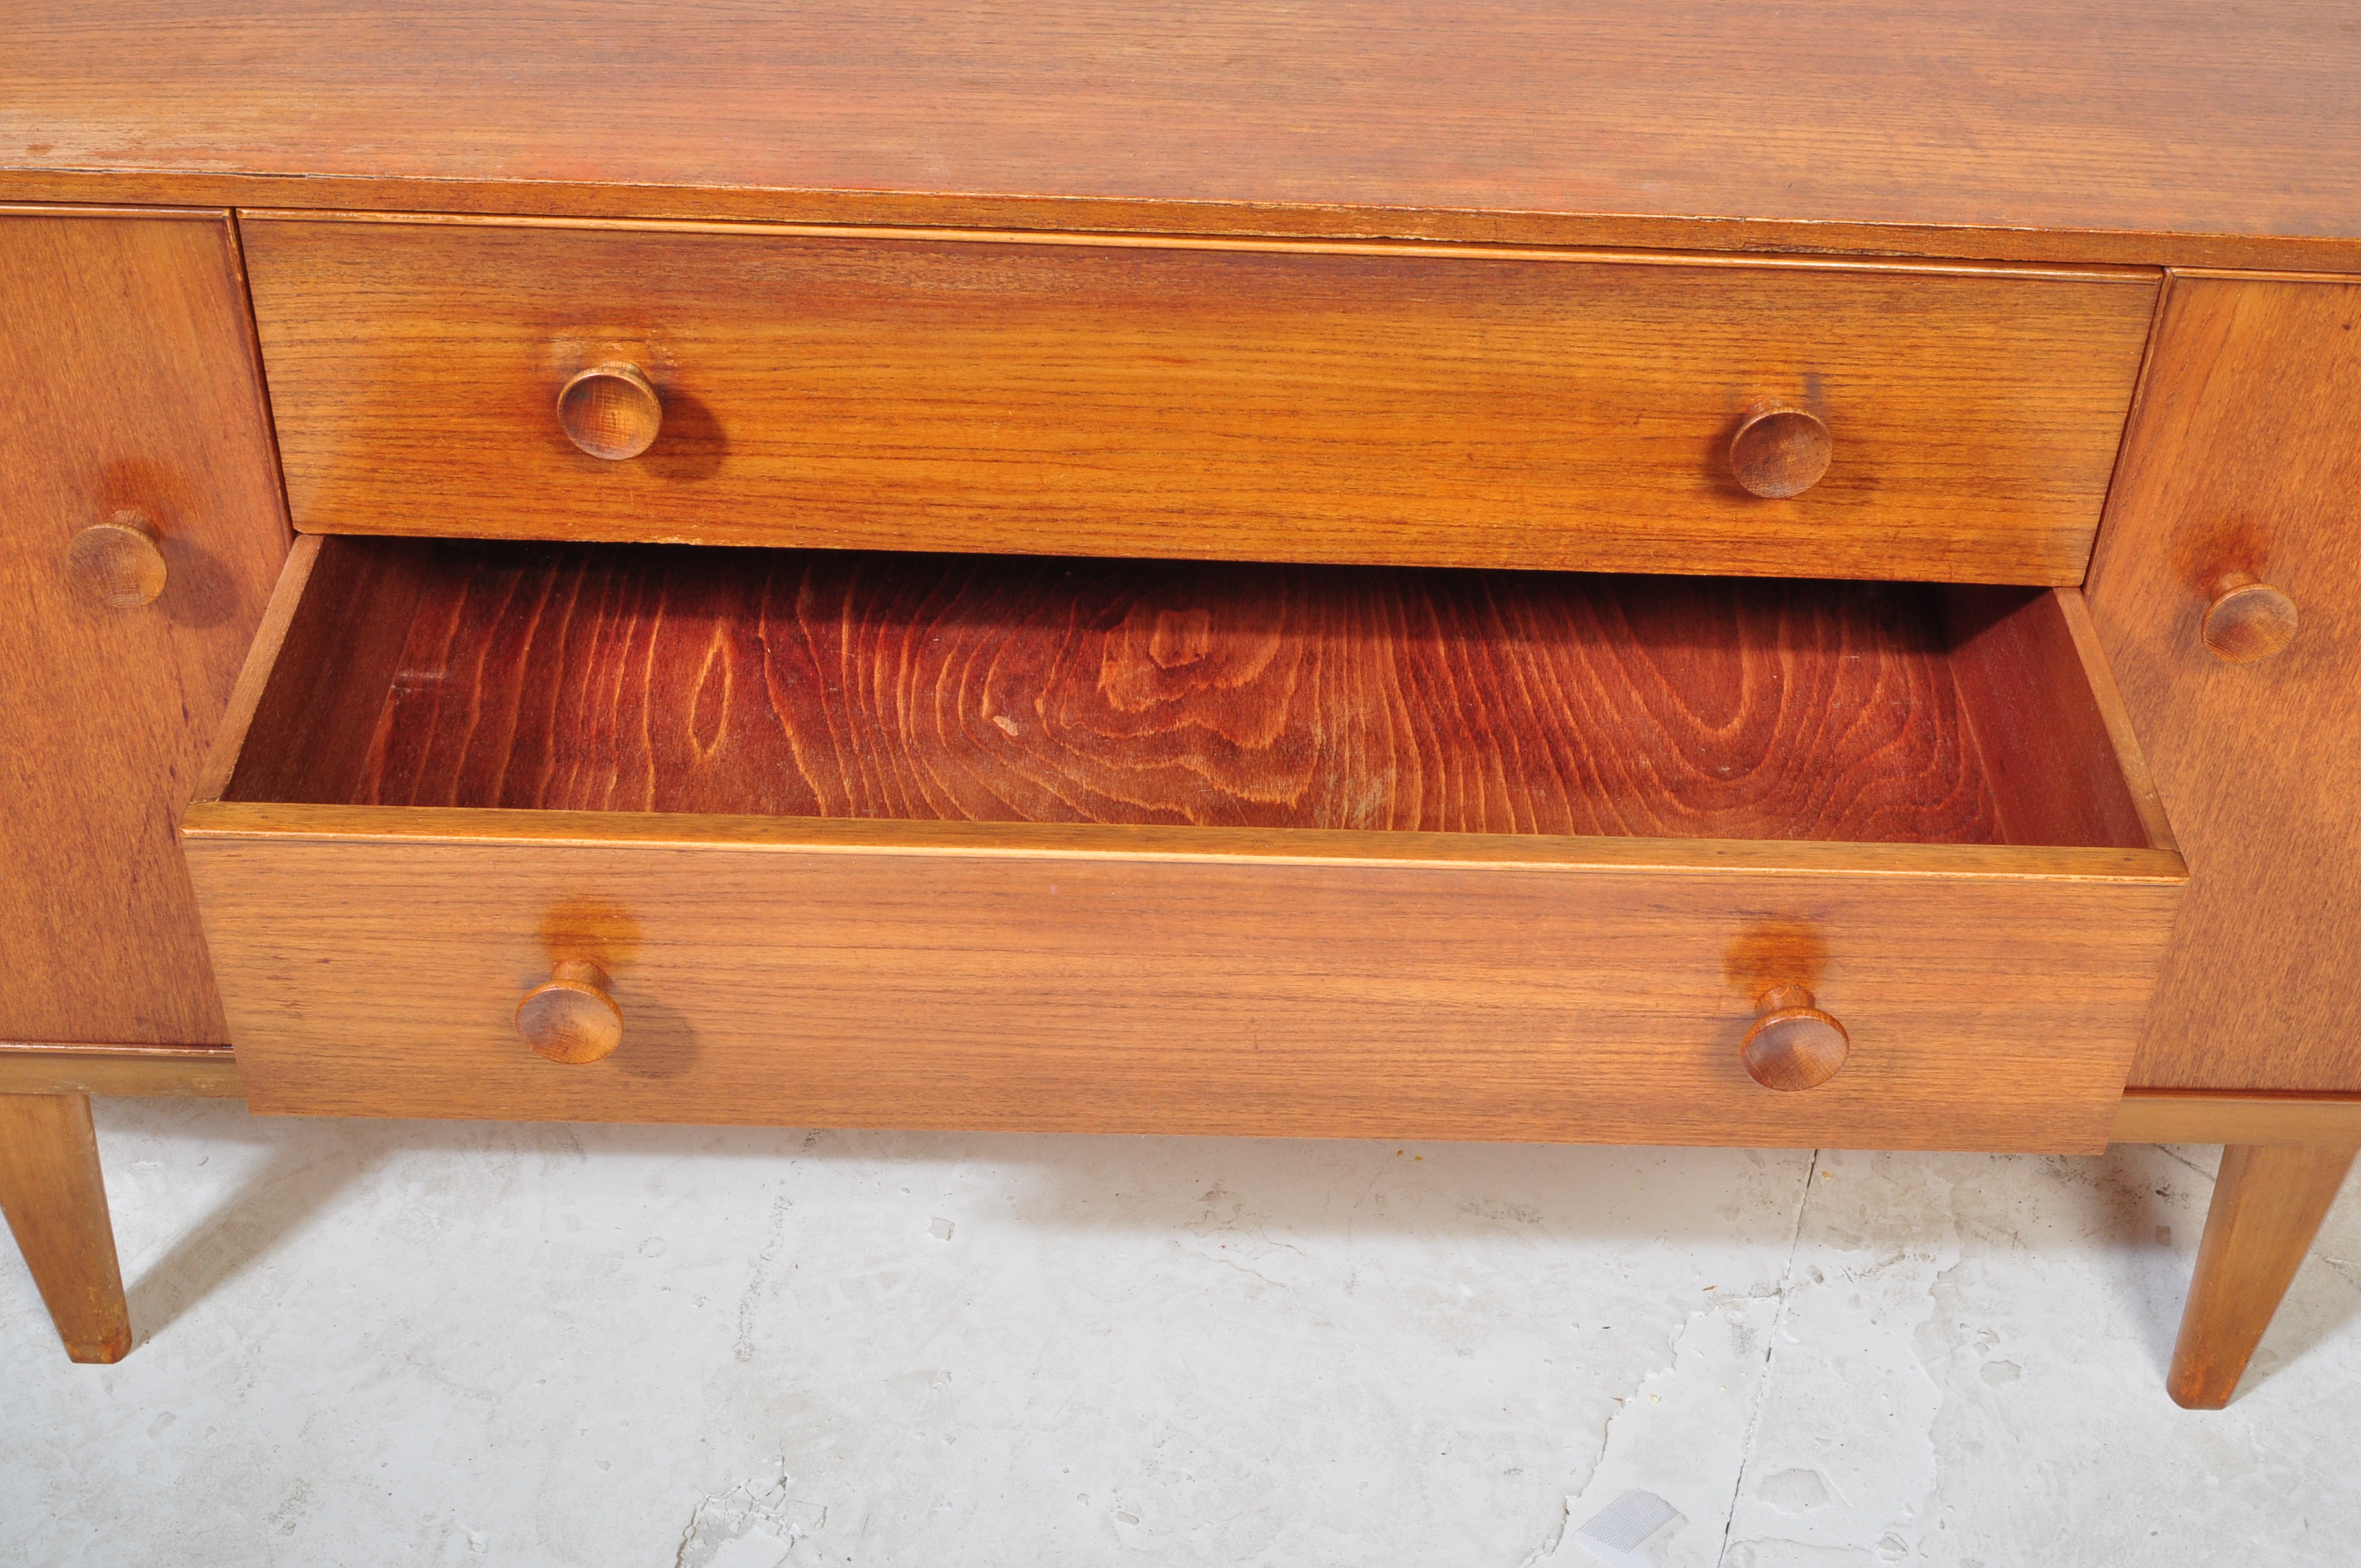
(2199, 134)
(55, 1197)
(107, 710)
(179, 1071)
(2190, 1116)
(668, 679)
(1305, 404)
(990, 982)
(2268, 1205)
(1126, 973)
(2243, 456)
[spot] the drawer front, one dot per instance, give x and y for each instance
(1209, 400)
(1194, 981)
(140, 531)
(2246, 458)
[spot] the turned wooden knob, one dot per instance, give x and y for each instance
(1780, 452)
(1793, 1044)
(569, 1017)
(2248, 619)
(610, 411)
(119, 563)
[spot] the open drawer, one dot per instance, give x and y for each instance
(935, 841)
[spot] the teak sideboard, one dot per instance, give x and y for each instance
(1518, 569)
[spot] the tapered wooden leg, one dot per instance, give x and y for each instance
(55, 1202)
(2268, 1205)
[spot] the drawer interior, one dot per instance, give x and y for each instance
(680, 679)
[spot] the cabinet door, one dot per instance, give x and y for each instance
(141, 526)
(2244, 461)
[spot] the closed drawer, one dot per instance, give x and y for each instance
(1344, 403)
(1088, 846)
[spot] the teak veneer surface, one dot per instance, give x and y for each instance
(1018, 689)
(2244, 455)
(132, 389)
(1228, 402)
(2183, 131)
(372, 960)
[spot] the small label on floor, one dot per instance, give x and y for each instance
(1625, 1525)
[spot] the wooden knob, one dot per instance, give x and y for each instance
(570, 1017)
(1793, 1044)
(119, 563)
(610, 411)
(2247, 620)
(1780, 452)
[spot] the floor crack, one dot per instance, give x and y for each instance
(1548, 1549)
(1770, 1350)
(2344, 1269)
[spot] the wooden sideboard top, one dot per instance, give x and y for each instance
(2180, 132)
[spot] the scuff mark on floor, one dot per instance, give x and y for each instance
(757, 1275)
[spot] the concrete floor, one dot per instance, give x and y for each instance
(414, 1342)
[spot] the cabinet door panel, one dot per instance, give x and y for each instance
(134, 407)
(2244, 460)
